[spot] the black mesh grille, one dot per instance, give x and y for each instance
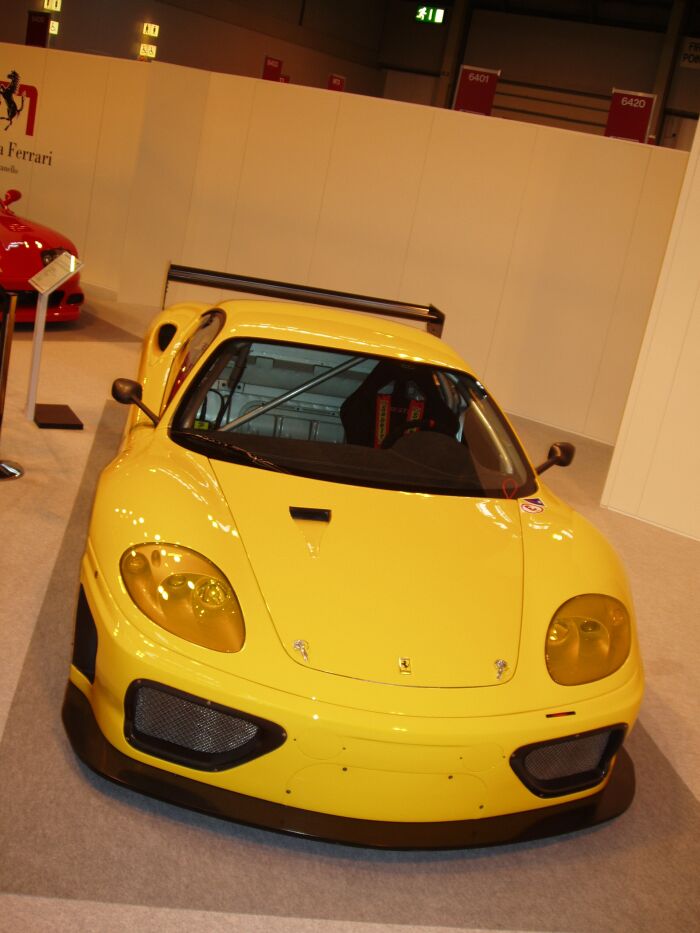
(193, 726)
(28, 298)
(189, 730)
(550, 762)
(567, 765)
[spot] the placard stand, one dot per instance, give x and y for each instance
(46, 282)
(8, 468)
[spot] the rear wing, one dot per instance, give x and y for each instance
(432, 317)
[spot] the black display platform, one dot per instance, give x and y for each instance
(57, 416)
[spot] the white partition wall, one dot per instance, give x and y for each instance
(541, 245)
(112, 178)
(586, 251)
(160, 187)
(655, 468)
(272, 228)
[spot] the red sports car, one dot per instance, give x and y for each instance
(25, 247)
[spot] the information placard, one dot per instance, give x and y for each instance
(56, 273)
(630, 115)
(476, 88)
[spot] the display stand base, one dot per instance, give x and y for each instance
(57, 416)
(10, 470)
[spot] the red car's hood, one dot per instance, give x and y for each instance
(21, 243)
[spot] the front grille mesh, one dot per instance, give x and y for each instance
(28, 298)
(570, 764)
(192, 726)
(564, 759)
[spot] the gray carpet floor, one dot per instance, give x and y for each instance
(87, 327)
(67, 833)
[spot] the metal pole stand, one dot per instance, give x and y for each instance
(47, 281)
(8, 468)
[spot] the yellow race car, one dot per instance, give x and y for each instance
(325, 591)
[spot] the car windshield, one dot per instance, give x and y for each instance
(351, 418)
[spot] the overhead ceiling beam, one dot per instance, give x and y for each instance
(665, 68)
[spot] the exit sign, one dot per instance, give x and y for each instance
(430, 14)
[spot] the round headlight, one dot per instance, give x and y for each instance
(588, 639)
(48, 255)
(184, 593)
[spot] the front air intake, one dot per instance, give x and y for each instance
(567, 765)
(85, 641)
(193, 731)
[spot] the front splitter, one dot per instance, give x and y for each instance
(92, 748)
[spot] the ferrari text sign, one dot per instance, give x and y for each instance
(629, 116)
(476, 89)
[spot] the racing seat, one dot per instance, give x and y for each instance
(395, 399)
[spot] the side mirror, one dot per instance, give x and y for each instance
(129, 392)
(11, 196)
(560, 454)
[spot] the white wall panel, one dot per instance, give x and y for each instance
(654, 470)
(161, 188)
(116, 163)
(671, 496)
(641, 264)
(573, 235)
(466, 215)
(222, 147)
(374, 175)
(284, 169)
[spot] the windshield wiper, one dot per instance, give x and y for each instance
(206, 440)
(280, 400)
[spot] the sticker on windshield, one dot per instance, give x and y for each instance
(532, 505)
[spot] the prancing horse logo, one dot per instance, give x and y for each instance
(8, 95)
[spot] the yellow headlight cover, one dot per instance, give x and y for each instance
(588, 639)
(184, 593)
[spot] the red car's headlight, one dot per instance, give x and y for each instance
(48, 255)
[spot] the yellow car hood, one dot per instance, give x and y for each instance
(399, 588)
